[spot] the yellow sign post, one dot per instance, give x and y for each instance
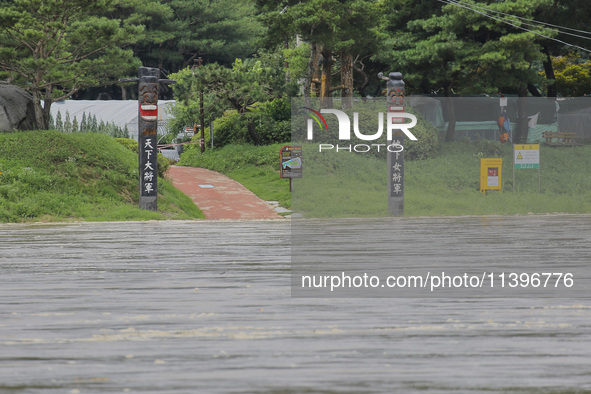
(490, 174)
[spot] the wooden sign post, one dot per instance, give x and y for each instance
(291, 163)
(395, 103)
(148, 82)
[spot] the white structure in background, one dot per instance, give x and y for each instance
(122, 113)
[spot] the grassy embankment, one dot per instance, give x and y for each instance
(354, 185)
(50, 176)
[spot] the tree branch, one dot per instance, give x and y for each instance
(60, 82)
(17, 39)
(61, 36)
(85, 56)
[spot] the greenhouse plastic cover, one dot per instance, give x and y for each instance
(119, 112)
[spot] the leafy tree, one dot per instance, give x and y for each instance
(337, 31)
(179, 31)
(223, 29)
(454, 49)
(508, 54)
(54, 48)
(572, 75)
(160, 27)
(573, 14)
(242, 88)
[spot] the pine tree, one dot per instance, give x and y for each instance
(93, 125)
(55, 48)
(67, 123)
(83, 126)
(59, 124)
(75, 128)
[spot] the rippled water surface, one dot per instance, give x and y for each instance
(206, 307)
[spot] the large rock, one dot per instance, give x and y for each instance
(16, 109)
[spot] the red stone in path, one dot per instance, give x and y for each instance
(218, 196)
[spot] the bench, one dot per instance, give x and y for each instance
(561, 138)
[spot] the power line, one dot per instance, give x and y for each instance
(528, 19)
(540, 25)
(514, 25)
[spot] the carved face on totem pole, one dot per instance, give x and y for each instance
(396, 89)
(148, 102)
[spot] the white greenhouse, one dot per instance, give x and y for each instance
(122, 113)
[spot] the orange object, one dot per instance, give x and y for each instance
(504, 137)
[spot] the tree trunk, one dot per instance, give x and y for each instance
(347, 80)
(533, 90)
(252, 131)
(451, 114)
(325, 79)
(286, 63)
(549, 71)
(46, 114)
(520, 136)
(361, 86)
(42, 122)
(312, 85)
(47, 101)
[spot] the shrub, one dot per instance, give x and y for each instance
(427, 144)
(163, 165)
(233, 157)
(229, 128)
(266, 123)
(129, 143)
(489, 148)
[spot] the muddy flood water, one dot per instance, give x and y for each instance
(207, 307)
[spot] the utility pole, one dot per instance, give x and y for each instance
(201, 112)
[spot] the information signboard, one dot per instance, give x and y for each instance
(491, 174)
(291, 161)
(526, 156)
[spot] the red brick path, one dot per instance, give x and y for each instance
(227, 199)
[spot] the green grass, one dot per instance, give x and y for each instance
(52, 176)
(354, 185)
(449, 184)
